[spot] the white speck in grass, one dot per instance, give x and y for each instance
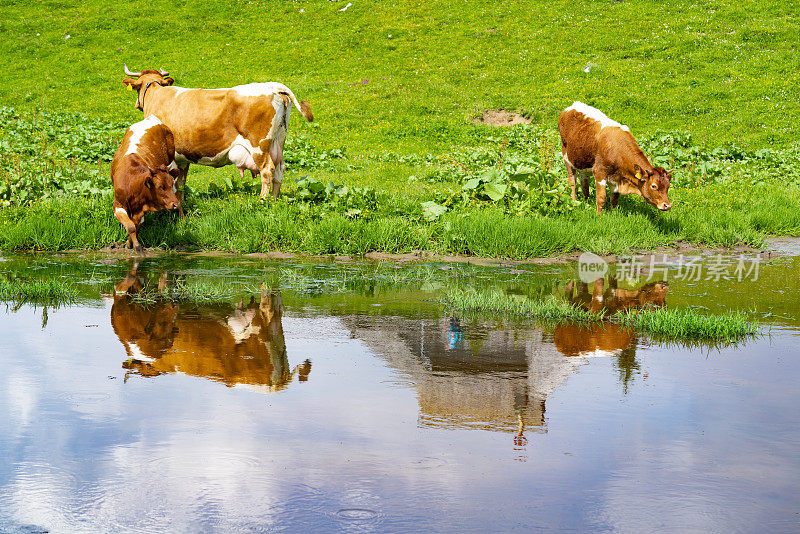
(345, 7)
(302, 10)
(67, 37)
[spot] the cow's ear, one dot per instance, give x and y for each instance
(640, 173)
(130, 83)
(148, 182)
(669, 175)
(168, 81)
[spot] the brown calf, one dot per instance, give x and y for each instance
(591, 143)
(143, 172)
(243, 126)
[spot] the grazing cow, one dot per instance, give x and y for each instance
(143, 172)
(591, 143)
(245, 125)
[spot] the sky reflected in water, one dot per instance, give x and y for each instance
(377, 410)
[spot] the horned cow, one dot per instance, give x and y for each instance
(243, 126)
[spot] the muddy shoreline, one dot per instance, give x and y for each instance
(775, 247)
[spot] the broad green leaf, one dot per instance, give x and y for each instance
(471, 184)
(495, 190)
(432, 211)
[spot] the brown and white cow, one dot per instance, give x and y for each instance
(592, 143)
(143, 172)
(244, 125)
(244, 345)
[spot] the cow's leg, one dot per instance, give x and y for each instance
(277, 177)
(600, 186)
(266, 177)
(584, 177)
(570, 175)
(613, 194)
(138, 220)
(180, 182)
(129, 225)
(614, 199)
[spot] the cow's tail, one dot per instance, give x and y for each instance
(302, 106)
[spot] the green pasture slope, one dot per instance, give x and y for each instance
(711, 89)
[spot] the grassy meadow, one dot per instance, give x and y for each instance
(394, 161)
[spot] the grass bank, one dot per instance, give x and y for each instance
(37, 291)
(661, 323)
(242, 224)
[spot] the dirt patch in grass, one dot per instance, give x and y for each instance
(500, 117)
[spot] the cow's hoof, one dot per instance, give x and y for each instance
(139, 248)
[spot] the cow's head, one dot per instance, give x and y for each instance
(161, 186)
(141, 82)
(654, 185)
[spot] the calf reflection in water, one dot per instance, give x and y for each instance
(607, 339)
(242, 345)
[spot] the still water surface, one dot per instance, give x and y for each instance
(343, 398)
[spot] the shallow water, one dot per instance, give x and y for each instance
(342, 397)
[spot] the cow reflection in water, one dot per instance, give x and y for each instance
(233, 345)
(486, 374)
(607, 339)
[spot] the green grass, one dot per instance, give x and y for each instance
(394, 89)
(242, 224)
(662, 324)
(37, 291)
(195, 291)
(726, 71)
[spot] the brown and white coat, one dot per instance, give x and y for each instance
(592, 143)
(143, 172)
(245, 125)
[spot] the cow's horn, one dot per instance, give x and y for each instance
(162, 72)
(128, 72)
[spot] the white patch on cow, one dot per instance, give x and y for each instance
(139, 129)
(121, 211)
(172, 166)
(241, 326)
(596, 114)
(598, 353)
(601, 182)
(260, 89)
(179, 90)
(137, 353)
(277, 133)
(240, 153)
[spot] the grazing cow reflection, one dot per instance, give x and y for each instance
(607, 339)
(235, 345)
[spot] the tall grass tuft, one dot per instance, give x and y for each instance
(195, 291)
(52, 290)
(688, 324)
(684, 324)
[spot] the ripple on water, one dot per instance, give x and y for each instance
(357, 514)
(429, 462)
